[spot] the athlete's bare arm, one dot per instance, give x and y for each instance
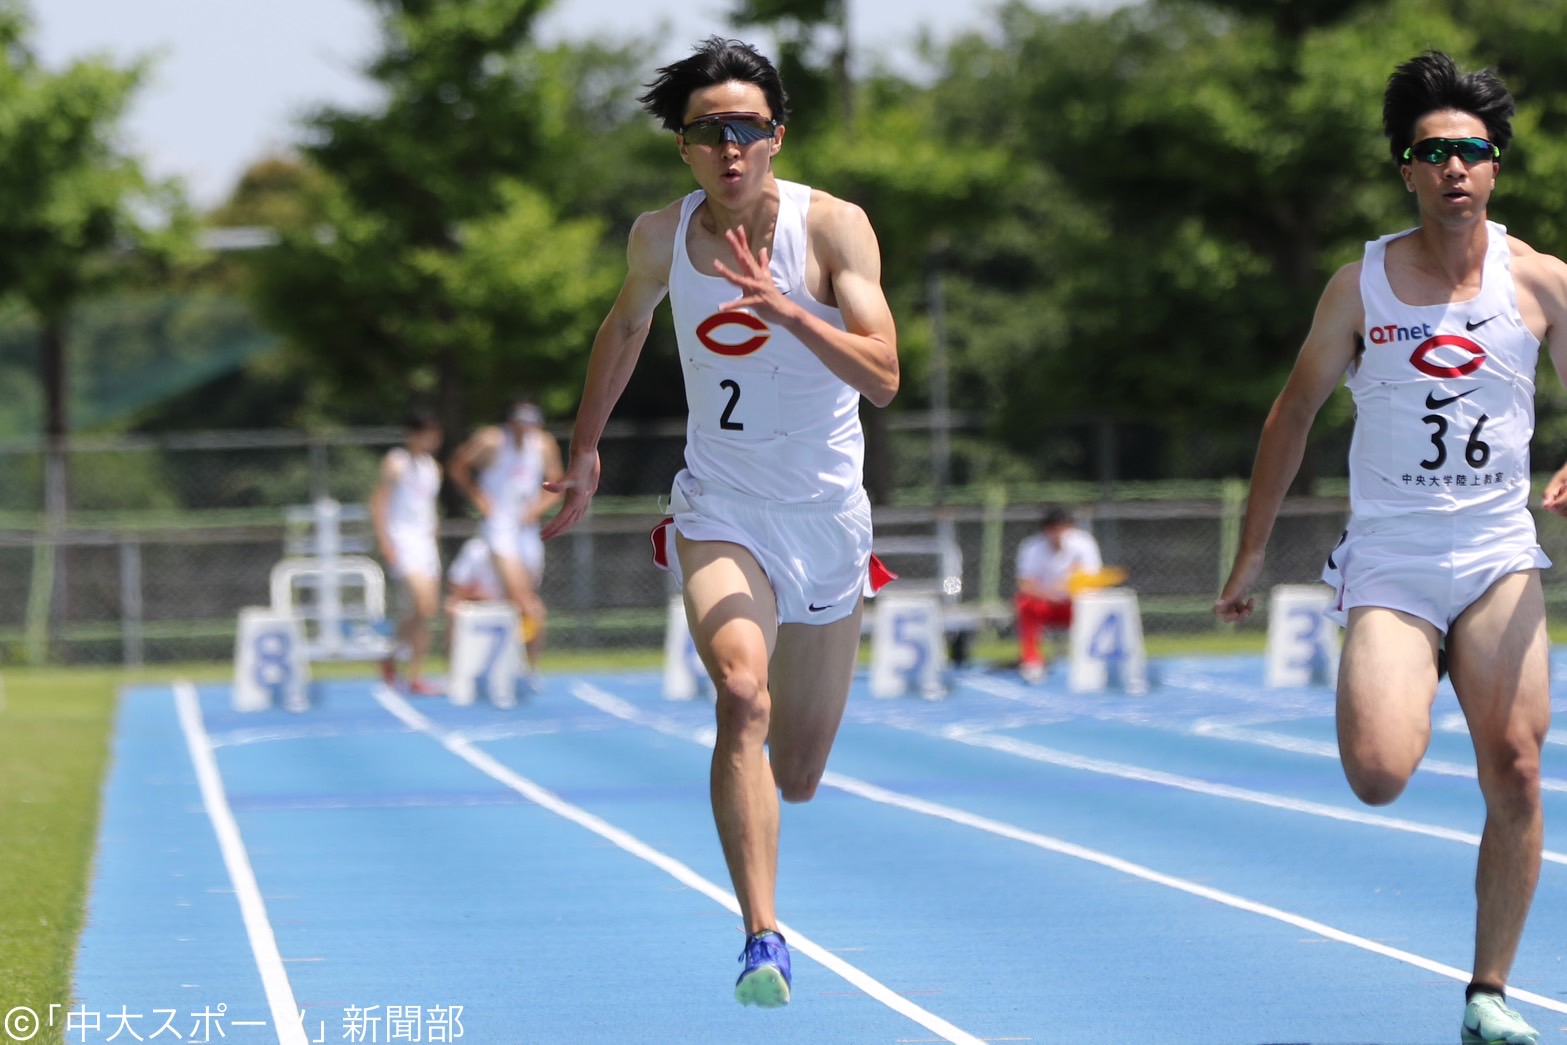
(472, 456)
(616, 348)
(1328, 351)
(865, 354)
(1542, 298)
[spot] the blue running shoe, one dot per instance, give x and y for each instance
(765, 981)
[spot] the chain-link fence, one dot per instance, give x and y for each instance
(158, 543)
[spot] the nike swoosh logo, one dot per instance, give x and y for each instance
(817, 609)
(1432, 402)
(1475, 324)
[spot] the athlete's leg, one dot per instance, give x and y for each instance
(812, 668)
(1499, 661)
(1386, 685)
(521, 593)
(734, 622)
(413, 632)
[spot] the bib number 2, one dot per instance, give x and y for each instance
(726, 420)
(736, 404)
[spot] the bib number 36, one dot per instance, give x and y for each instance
(1476, 450)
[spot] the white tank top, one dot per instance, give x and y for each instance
(1444, 396)
(515, 476)
(411, 507)
(766, 416)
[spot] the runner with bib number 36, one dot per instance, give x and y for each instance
(1439, 329)
(782, 327)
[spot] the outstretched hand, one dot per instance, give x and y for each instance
(753, 277)
(576, 488)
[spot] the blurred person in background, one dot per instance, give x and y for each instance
(503, 470)
(1047, 563)
(1439, 330)
(471, 577)
(782, 326)
(403, 510)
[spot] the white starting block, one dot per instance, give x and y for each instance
(1107, 643)
(1303, 644)
(270, 667)
(684, 673)
(332, 600)
(487, 659)
(341, 605)
(908, 646)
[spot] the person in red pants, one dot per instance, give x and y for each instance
(1046, 562)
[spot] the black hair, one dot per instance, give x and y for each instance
(1432, 82)
(420, 420)
(1055, 515)
(715, 60)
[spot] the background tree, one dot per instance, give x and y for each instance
(1188, 175)
(67, 196)
(432, 264)
(1134, 212)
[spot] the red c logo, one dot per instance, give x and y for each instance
(704, 333)
(1468, 358)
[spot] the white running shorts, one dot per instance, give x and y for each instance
(817, 555)
(417, 555)
(1431, 566)
(510, 540)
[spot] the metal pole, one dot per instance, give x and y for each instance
(56, 512)
(328, 546)
(130, 601)
(583, 595)
(320, 469)
(941, 439)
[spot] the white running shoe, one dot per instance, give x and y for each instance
(1488, 1021)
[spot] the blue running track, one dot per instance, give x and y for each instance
(1011, 864)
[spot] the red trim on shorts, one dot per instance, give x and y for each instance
(880, 576)
(660, 539)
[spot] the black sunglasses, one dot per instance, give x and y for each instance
(742, 128)
(1437, 150)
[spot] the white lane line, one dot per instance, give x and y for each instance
(263, 943)
(546, 799)
(275, 734)
(1251, 706)
(613, 705)
(1324, 749)
(1068, 760)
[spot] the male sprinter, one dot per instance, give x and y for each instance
(782, 326)
(1439, 329)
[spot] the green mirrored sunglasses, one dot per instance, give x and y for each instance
(1437, 150)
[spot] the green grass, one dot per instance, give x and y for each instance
(54, 733)
(54, 728)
